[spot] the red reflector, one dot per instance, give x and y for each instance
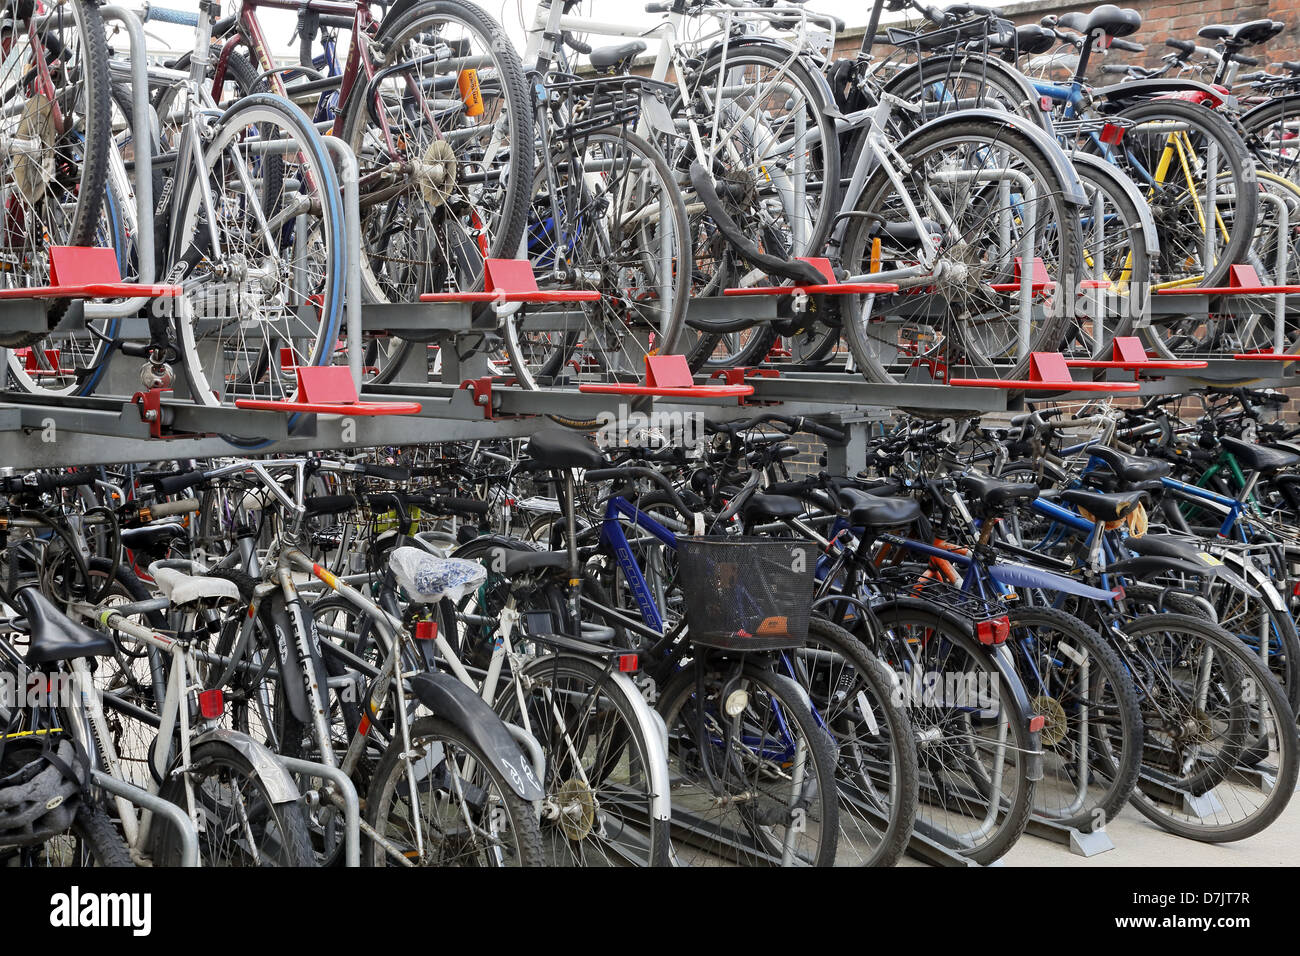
(994, 631)
(1112, 133)
(627, 663)
(1045, 103)
(1037, 723)
(510, 502)
(426, 630)
(1295, 589)
(212, 703)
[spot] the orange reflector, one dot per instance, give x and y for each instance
(470, 93)
(1037, 723)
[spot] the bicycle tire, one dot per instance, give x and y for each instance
(389, 778)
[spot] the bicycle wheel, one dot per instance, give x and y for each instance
(855, 698)
(263, 266)
(444, 176)
(599, 774)
(1199, 180)
(606, 217)
(92, 840)
(1092, 740)
(1207, 703)
(966, 181)
(240, 825)
(977, 756)
(776, 160)
(754, 774)
(55, 101)
(467, 815)
(1269, 131)
(1118, 240)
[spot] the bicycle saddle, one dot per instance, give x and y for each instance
(995, 493)
(609, 57)
(1131, 467)
(1259, 457)
(1243, 34)
(520, 562)
(1105, 507)
(772, 506)
(1107, 18)
(53, 635)
(872, 512)
(1029, 40)
(427, 578)
(183, 589)
(555, 448)
(154, 538)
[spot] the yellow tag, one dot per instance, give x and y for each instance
(1209, 558)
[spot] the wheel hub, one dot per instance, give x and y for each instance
(1054, 728)
(577, 809)
(435, 172)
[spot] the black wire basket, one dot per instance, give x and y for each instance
(746, 594)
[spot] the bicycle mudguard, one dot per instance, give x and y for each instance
(1135, 196)
(287, 621)
(1006, 665)
(787, 52)
(1125, 94)
(1072, 191)
(277, 780)
(451, 700)
(1194, 567)
(937, 68)
(1015, 575)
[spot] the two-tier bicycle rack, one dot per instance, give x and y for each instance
(461, 397)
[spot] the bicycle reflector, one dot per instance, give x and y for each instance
(994, 631)
(628, 663)
(212, 703)
(426, 630)
(1037, 723)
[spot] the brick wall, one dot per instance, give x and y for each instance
(1160, 19)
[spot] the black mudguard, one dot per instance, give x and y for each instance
(451, 700)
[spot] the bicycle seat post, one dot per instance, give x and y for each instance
(571, 532)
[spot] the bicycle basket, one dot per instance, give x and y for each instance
(746, 594)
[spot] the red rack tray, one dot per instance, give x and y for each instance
(831, 286)
(88, 272)
(667, 376)
(1047, 373)
(327, 390)
(512, 280)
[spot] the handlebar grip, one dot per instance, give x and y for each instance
(1182, 46)
(603, 474)
(174, 483)
(329, 504)
(164, 509)
(573, 43)
(821, 431)
(1119, 43)
(386, 472)
(658, 7)
(1243, 59)
(182, 18)
(1114, 68)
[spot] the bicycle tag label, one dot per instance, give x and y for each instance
(470, 93)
